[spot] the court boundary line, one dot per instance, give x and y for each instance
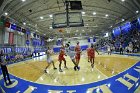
(23, 61)
(101, 72)
(77, 84)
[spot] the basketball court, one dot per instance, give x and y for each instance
(106, 66)
(34, 33)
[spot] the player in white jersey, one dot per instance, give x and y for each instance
(49, 59)
(71, 53)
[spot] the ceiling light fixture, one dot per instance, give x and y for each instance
(41, 17)
(6, 13)
(50, 27)
(122, 0)
(24, 23)
(137, 11)
(94, 13)
(83, 13)
(106, 15)
(122, 19)
(51, 15)
(23, 0)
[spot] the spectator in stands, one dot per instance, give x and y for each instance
(21, 57)
(109, 50)
(130, 41)
(121, 50)
(4, 68)
(130, 47)
(127, 49)
(17, 57)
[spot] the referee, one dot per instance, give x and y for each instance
(4, 68)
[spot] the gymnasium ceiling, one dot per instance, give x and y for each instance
(95, 18)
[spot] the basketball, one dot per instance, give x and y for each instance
(51, 51)
(60, 30)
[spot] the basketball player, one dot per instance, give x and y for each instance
(71, 53)
(77, 55)
(49, 59)
(61, 58)
(92, 55)
(88, 53)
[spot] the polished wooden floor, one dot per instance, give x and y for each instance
(105, 66)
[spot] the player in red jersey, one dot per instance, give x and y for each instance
(77, 55)
(88, 54)
(92, 55)
(61, 58)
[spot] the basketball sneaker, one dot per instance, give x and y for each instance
(78, 67)
(75, 68)
(60, 70)
(55, 68)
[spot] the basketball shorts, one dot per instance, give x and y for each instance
(49, 60)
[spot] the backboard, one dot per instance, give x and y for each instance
(60, 20)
